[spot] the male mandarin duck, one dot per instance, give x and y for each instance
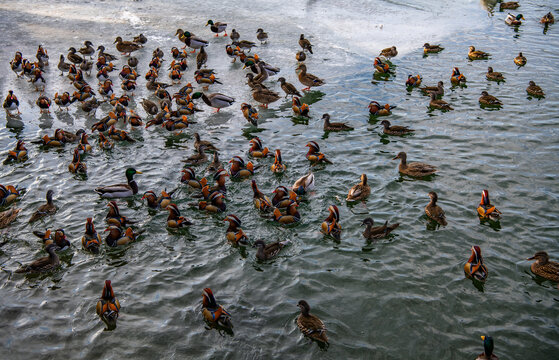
(106, 90)
(304, 184)
(475, 268)
(389, 52)
(213, 313)
(58, 239)
(155, 202)
(177, 54)
(175, 75)
(239, 169)
(105, 143)
(215, 100)
(300, 56)
(376, 232)
(310, 325)
(291, 216)
(488, 346)
(91, 240)
(64, 100)
(314, 155)
(152, 74)
(45, 209)
(16, 63)
(189, 178)
(8, 194)
(264, 95)
(381, 67)
(121, 190)
(43, 264)
(437, 90)
(360, 191)
(178, 124)
(489, 100)
(113, 216)
(334, 126)
(514, 20)
(232, 52)
(309, 80)
(376, 109)
(305, 44)
(234, 233)
(288, 88)
(434, 211)
(534, 90)
(277, 167)
(283, 197)
(119, 135)
(126, 47)
(206, 80)
(155, 63)
(548, 19)
(77, 166)
(389, 129)
(268, 251)
(250, 113)
(108, 306)
(128, 86)
(261, 201)
(215, 202)
(520, 60)
(494, 75)
(19, 153)
(486, 210)
(457, 78)
(428, 48)
(175, 220)
(116, 237)
(11, 103)
(331, 225)
(134, 119)
(262, 36)
(8, 216)
(300, 108)
(217, 27)
(474, 54)
(413, 81)
(256, 150)
(544, 267)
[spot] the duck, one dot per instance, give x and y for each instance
(116, 237)
(189, 178)
(215, 100)
(213, 313)
(244, 44)
(88, 49)
(217, 27)
(314, 155)
(250, 113)
(544, 267)
(534, 90)
(548, 18)
(105, 143)
(175, 220)
(305, 44)
(310, 325)
(158, 53)
(264, 95)
(300, 56)
(428, 48)
(381, 67)
(119, 135)
(239, 169)
(207, 145)
(277, 167)
(155, 202)
(73, 57)
(120, 190)
(282, 197)
(63, 66)
(309, 80)
(232, 52)
(197, 158)
(8, 194)
(19, 153)
(520, 60)
(493, 75)
(486, 210)
(288, 88)
(64, 100)
(42, 55)
(513, 20)
(475, 268)
(114, 218)
(456, 78)
(201, 58)
(488, 344)
(214, 202)
(299, 108)
(414, 169)
(194, 42)
(388, 129)
(7, 217)
(377, 232)
(91, 240)
(58, 239)
(262, 36)
(107, 56)
(389, 52)
(38, 81)
(304, 184)
(45, 209)
(489, 100)
(234, 35)
(291, 216)
(215, 165)
(435, 103)
(269, 251)
(126, 47)
(474, 54)
(150, 107)
(11, 103)
(360, 191)
(331, 225)
(257, 150)
(434, 211)
(234, 233)
(140, 39)
(438, 90)
(413, 81)
(261, 201)
(334, 126)
(508, 5)
(376, 109)
(77, 166)
(43, 264)
(108, 306)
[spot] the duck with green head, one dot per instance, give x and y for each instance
(120, 190)
(215, 100)
(217, 27)
(513, 20)
(488, 346)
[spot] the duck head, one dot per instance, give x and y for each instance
(541, 257)
(313, 147)
(304, 306)
(488, 346)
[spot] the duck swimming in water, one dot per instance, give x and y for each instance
(486, 210)
(121, 190)
(45, 209)
(475, 268)
(310, 325)
(488, 346)
(376, 232)
(331, 225)
(544, 267)
(360, 191)
(434, 211)
(91, 240)
(43, 264)
(213, 313)
(414, 169)
(108, 306)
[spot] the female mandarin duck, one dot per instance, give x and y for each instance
(19, 153)
(304, 184)
(376, 109)
(310, 325)
(121, 190)
(389, 129)
(239, 169)
(414, 169)
(214, 203)
(268, 251)
(413, 81)
(486, 210)
(8, 194)
(494, 75)
(331, 225)
(250, 113)
(45, 209)
(261, 201)
(309, 80)
(474, 54)
(376, 232)
(234, 233)
(457, 78)
(475, 268)
(428, 48)
(113, 216)
(43, 264)
(520, 60)
(389, 52)
(300, 108)
(175, 220)
(435, 103)
(108, 306)
(434, 211)
(77, 166)
(360, 191)
(437, 90)
(215, 165)
(257, 150)
(291, 216)
(189, 178)
(8, 216)
(334, 126)
(514, 20)
(545, 268)
(314, 155)
(489, 100)
(91, 240)
(277, 167)
(213, 313)
(488, 346)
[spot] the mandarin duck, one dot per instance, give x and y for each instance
(389, 129)
(376, 109)
(19, 153)
(475, 268)
(250, 113)
(291, 216)
(486, 210)
(175, 220)
(113, 216)
(314, 155)
(277, 167)
(256, 150)
(300, 108)
(91, 240)
(261, 201)
(108, 306)
(239, 169)
(520, 60)
(428, 48)
(215, 314)
(234, 233)
(331, 225)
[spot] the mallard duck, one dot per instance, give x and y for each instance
(548, 18)
(299, 108)
(376, 109)
(7, 217)
(91, 240)
(114, 218)
(389, 52)
(244, 44)
(261, 201)
(486, 210)
(264, 96)
(300, 56)
(213, 313)
(8, 194)
(43, 264)
(121, 190)
(277, 167)
(234, 233)
(360, 191)
(434, 211)
(456, 78)
(513, 20)
(77, 166)
(395, 130)
(19, 153)
(268, 251)
(108, 306)
(413, 81)
(73, 57)
(488, 345)
(428, 48)
(250, 113)
(198, 158)
(288, 88)
(543, 267)
(239, 169)
(414, 169)
(304, 184)
(331, 225)
(217, 27)
(314, 155)
(257, 150)
(107, 56)
(493, 75)
(291, 216)
(310, 325)
(305, 43)
(534, 90)
(475, 268)
(336, 126)
(377, 232)
(520, 60)
(140, 39)
(508, 5)
(474, 54)
(194, 42)
(116, 237)
(489, 100)
(45, 209)
(215, 100)
(126, 47)
(175, 220)
(11, 103)
(306, 79)
(438, 103)
(262, 36)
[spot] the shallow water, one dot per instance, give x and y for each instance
(400, 298)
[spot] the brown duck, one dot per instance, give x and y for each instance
(434, 211)
(489, 100)
(264, 96)
(45, 209)
(289, 88)
(307, 79)
(335, 126)
(43, 264)
(494, 75)
(360, 191)
(543, 267)
(534, 90)
(415, 169)
(268, 251)
(437, 90)
(438, 103)
(377, 232)
(310, 325)
(7, 217)
(389, 52)
(126, 47)
(395, 130)
(305, 43)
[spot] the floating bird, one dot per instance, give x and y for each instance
(514, 20)
(331, 225)
(7, 217)
(118, 237)
(376, 109)
(548, 19)
(108, 306)
(268, 251)
(414, 169)
(493, 75)
(250, 113)
(360, 191)
(18, 154)
(8, 194)
(91, 240)
(428, 48)
(508, 5)
(304, 184)
(377, 232)
(257, 150)
(214, 313)
(534, 90)
(474, 54)
(520, 60)
(45, 209)
(545, 268)
(334, 126)
(395, 129)
(438, 103)
(413, 81)
(261, 201)
(314, 155)
(434, 211)
(310, 325)
(456, 78)
(43, 264)
(234, 233)
(77, 166)
(486, 210)
(277, 167)
(389, 52)
(175, 220)
(475, 268)
(299, 108)
(489, 100)
(488, 346)
(121, 190)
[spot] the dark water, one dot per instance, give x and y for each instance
(400, 298)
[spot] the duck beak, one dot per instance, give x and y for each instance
(482, 337)
(531, 258)
(395, 158)
(139, 172)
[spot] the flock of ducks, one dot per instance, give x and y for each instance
(280, 207)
